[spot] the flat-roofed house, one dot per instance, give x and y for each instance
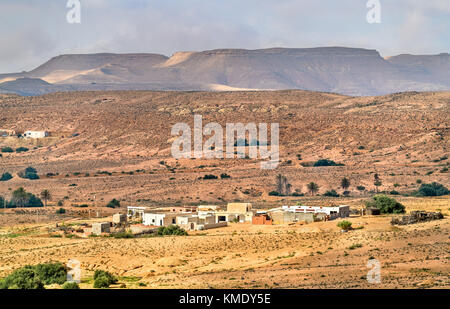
(197, 223)
(35, 134)
(159, 218)
(237, 212)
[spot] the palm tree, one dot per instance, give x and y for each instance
(312, 188)
(345, 183)
(377, 181)
(46, 196)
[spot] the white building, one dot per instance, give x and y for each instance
(136, 212)
(159, 219)
(342, 211)
(35, 134)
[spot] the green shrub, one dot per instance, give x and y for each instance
(6, 176)
(101, 283)
(21, 149)
(71, 286)
(327, 162)
(433, 189)
(274, 193)
(331, 193)
(7, 149)
(385, 204)
(394, 192)
(103, 279)
(345, 225)
(60, 211)
(35, 277)
(210, 177)
(224, 176)
(171, 230)
(51, 273)
(23, 278)
(361, 188)
(29, 173)
(113, 203)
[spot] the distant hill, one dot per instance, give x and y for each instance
(350, 71)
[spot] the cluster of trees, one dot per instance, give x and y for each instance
(113, 203)
(22, 198)
(35, 277)
(283, 187)
(432, 189)
(385, 204)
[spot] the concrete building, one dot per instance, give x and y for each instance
(99, 228)
(135, 212)
(208, 208)
(236, 212)
(119, 218)
(342, 211)
(286, 217)
(35, 134)
(6, 132)
(197, 223)
(159, 218)
(180, 209)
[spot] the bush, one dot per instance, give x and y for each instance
(171, 230)
(60, 211)
(224, 176)
(34, 277)
(23, 278)
(113, 203)
(7, 149)
(394, 192)
(433, 189)
(361, 188)
(331, 193)
(6, 176)
(385, 204)
(274, 193)
(29, 173)
(103, 279)
(345, 225)
(71, 286)
(326, 162)
(21, 149)
(210, 177)
(51, 273)
(101, 283)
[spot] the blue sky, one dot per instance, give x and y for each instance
(33, 31)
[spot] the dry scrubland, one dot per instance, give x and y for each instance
(316, 255)
(402, 137)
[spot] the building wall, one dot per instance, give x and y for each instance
(239, 207)
(99, 228)
(261, 220)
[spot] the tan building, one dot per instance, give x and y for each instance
(99, 228)
(236, 212)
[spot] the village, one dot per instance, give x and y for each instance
(144, 220)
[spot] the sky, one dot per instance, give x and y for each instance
(33, 31)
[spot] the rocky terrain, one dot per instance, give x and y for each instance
(117, 144)
(351, 71)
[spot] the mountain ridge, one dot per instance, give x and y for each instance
(345, 70)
